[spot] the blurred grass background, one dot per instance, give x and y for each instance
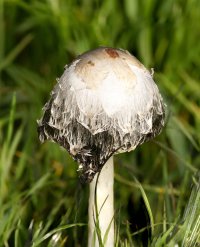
(42, 202)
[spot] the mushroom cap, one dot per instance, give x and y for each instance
(105, 102)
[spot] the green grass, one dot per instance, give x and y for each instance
(42, 202)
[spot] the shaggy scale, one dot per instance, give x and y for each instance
(105, 102)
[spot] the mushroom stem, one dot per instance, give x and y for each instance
(101, 208)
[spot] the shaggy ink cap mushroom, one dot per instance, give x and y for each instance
(105, 102)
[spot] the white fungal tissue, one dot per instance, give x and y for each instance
(105, 102)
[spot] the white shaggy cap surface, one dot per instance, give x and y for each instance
(105, 102)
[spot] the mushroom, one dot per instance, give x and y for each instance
(106, 102)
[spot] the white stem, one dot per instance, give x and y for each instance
(105, 206)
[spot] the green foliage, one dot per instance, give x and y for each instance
(42, 202)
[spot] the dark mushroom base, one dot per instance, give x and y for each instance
(92, 151)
